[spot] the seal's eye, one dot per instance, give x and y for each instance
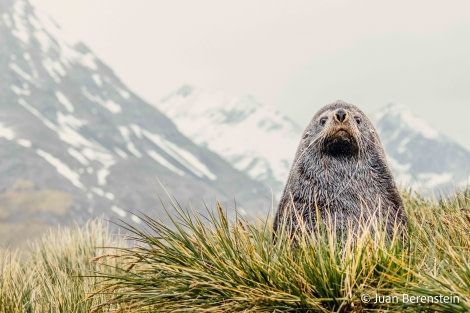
(323, 121)
(358, 119)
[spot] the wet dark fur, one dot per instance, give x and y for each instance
(344, 174)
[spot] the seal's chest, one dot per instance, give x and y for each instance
(344, 187)
(337, 173)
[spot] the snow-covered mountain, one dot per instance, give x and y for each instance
(69, 125)
(262, 142)
(420, 156)
(255, 138)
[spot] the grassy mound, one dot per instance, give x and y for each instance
(211, 264)
(208, 264)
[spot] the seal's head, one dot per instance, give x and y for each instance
(339, 130)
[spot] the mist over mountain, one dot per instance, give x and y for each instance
(428, 73)
(73, 134)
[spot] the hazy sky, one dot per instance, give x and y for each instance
(261, 47)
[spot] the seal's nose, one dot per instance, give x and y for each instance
(340, 115)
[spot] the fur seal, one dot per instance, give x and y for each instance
(340, 169)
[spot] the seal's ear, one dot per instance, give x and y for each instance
(306, 135)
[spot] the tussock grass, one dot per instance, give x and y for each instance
(209, 264)
(56, 273)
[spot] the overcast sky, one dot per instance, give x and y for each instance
(261, 47)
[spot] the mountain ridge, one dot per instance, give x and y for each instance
(69, 124)
(256, 138)
(420, 156)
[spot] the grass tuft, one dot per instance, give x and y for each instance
(56, 273)
(210, 264)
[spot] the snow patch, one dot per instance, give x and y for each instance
(103, 157)
(136, 219)
(58, 68)
(51, 37)
(47, 64)
(397, 165)
(44, 40)
(20, 30)
(162, 161)
(402, 146)
(7, 20)
(64, 101)
(67, 133)
(106, 159)
(102, 175)
(123, 93)
(54, 69)
(100, 192)
(97, 79)
(24, 91)
(61, 168)
(258, 168)
(121, 153)
(89, 60)
(36, 113)
(125, 133)
(70, 120)
(184, 157)
(15, 68)
(137, 130)
(6, 132)
(118, 211)
(66, 126)
(403, 114)
(73, 138)
(132, 149)
(432, 180)
(78, 156)
(419, 125)
(244, 162)
(25, 143)
(113, 107)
